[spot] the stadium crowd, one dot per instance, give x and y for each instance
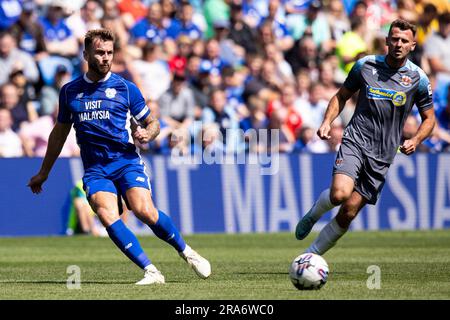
(224, 64)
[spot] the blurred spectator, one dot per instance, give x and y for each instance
(20, 111)
(81, 217)
(240, 32)
(443, 123)
(308, 141)
(313, 23)
(264, 80)
(441, 5)
(122, 65)
(278, 121)
(433, 144)
(214, 10)
(326, 78)
(13, 59)
(219, 112)
(87, 18)
(177, 103)
(186, 25)
(257, 118)
(437, 46)
(26, 92)
(233, 84)
(336, 132)
(292, 120)
(380, 14)
(313, 109)
(153, 72)
(180, 142)
(295, 6)
(230, 54)
(303, 83)
(10, 143)
(132, 11)
(10, 11)
(59, 39)
(28, 32)
(161, 144)
(49, 97)
(184, 49)
(115, 22)
(35, 136)
(150, 28)
(212, 60)
(304, 55)
(427, 24)
(406, 10)
(209, 141)
(337, 19)
(282, 36)
(275, 55)
(352, 46)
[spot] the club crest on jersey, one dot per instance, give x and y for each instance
(398, 98)
(339, 162)
(110, 93)
(406, 81)
(80, 95)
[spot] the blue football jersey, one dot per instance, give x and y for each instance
(101, 114)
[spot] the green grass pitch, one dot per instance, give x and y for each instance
(414, 265)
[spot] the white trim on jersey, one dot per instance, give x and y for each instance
(108, 75)
(128, 127)
(141, 114)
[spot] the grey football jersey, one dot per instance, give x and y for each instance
(386, 97)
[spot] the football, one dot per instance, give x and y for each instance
(309, 271)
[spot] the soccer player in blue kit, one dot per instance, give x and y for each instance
(388, 87)
(98, 104)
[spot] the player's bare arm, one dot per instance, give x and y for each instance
(425, 129)
(56, 142)
(335, 107)
(150, 132)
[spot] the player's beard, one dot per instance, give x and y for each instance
(100, 69)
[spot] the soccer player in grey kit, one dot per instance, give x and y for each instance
(388, 87)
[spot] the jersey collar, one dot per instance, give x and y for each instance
(101, 80)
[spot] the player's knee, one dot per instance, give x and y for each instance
(147, 215)
(338, 196)
(107, 215)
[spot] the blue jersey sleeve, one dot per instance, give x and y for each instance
(64, 114)
(353, 81)
(138, 108)
(424, 95)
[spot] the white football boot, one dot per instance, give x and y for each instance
(151, 276)
(200, 265)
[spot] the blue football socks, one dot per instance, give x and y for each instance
(166, 230)
(128, 243)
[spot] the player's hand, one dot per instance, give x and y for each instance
(141, 135)
(36, 182)
(324, 131)
(408, 147)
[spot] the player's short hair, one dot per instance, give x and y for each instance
(403, 25)
(103, 34)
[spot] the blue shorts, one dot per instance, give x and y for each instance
(117, 177)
